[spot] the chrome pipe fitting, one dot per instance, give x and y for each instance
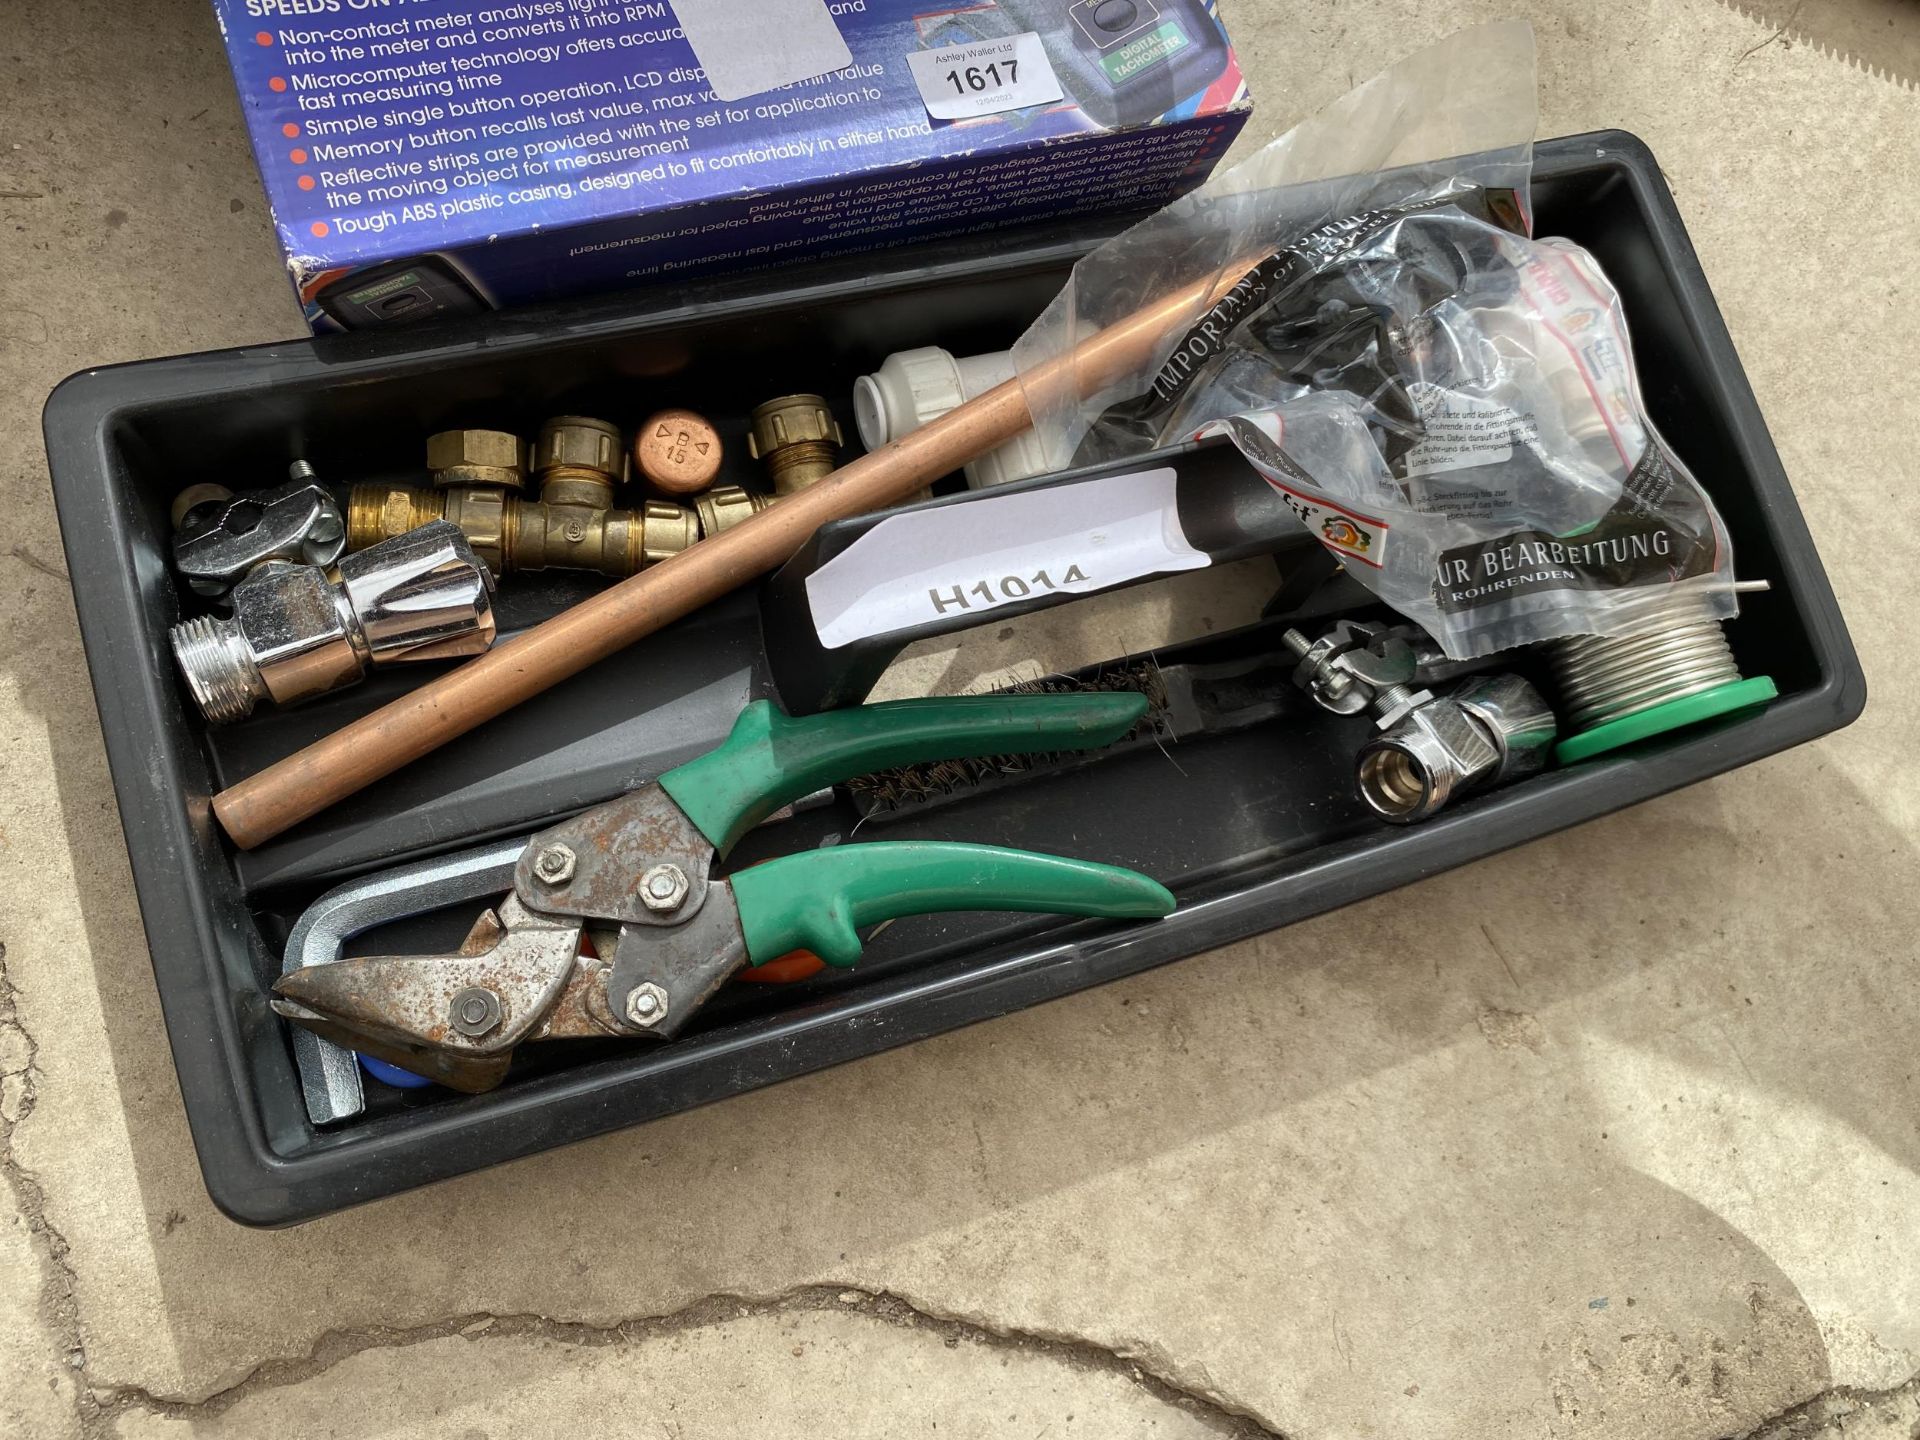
(295, 633)
(219, 536)
(1490, 730)
(1429, 749)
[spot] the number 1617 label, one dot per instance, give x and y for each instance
(986, 77)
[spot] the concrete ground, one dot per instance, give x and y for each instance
(1614, 1136)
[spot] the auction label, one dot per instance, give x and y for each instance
(986, 77)
(965, 561)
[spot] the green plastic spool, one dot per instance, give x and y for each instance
(1660, 719)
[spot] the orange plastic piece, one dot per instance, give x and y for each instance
(793, 966)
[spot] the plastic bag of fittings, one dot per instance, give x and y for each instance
(1447, 403)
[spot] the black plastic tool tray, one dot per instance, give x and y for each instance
(1252, 831)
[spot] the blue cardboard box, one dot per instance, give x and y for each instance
(433, 157)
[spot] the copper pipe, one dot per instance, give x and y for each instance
(376, 745)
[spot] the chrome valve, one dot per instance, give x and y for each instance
(294, 633)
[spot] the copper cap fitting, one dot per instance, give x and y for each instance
(677, 451)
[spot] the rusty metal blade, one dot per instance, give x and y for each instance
(471, 1074)
(457, 1015)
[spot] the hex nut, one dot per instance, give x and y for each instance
(646, 1005)
(554, 865)
(474, 1011)
(477, 457)
(663, 888)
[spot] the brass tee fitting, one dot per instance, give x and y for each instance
(797, 439)
(572, 526)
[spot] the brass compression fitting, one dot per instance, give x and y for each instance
(797, 439)
(573, 525)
